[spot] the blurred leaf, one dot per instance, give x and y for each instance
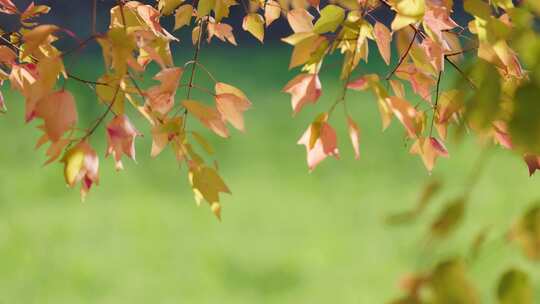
(478, 241)
(449, 284)
(428, 192)
(515, 288)
(524, 126)
(484, 105)
(526, 232)
(449, 218)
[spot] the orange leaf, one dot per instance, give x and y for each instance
(300, 20)
(121, 136)
(406, 114)
(208, 116)
(304, 89)
(323, 145)
(383, 38)
(59, 113)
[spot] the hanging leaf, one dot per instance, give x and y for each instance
(331, 18)
(182, 16)
(254, 23)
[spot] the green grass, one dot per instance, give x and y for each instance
(286, 237)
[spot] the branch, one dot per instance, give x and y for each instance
(471, 83)
(403, 56)
(102, 117)
(436, 103)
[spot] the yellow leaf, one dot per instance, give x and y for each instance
(36, 37)
(221, 9)
(254, 23)
(73, 160)
(272, 11)
(204, 7)
(182, 16)
(407, 12)
(166, 7)
(331, 18)
(207, 183)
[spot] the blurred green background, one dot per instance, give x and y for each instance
(286, 236)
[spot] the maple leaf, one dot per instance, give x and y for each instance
(300, 20)
(231, 103)
(207, 184)
(222, 31)
(36, 37)
(304, 89)
(405, 113)
(58, 112)
(7, 7)
(429, 150)
(320, 140)
(121, 136)
(160, 98)
(169, 129)
(182, 16)
(383, 39)
(437, 20)
(167, 7)
(55, 148)
(435, 53)
(33, 11)
(407, 12)
(254, 23)
(208, 116)
(81, 164)
(331, 18)
(272, 11)
(150, 16)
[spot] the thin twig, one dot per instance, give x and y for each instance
(102, 117)
(471, 83)
(435, 104)
(403, 56)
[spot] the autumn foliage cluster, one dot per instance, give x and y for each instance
(496, 96)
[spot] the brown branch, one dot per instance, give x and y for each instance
(403, 56)
(102, 117)
(471, 83)
(435, 104)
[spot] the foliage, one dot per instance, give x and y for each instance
(495, 97)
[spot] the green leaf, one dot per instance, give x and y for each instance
(484, 105)
(331, 17)
(450, 284)
(515, 288)
(449, 218)
(524, 126)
